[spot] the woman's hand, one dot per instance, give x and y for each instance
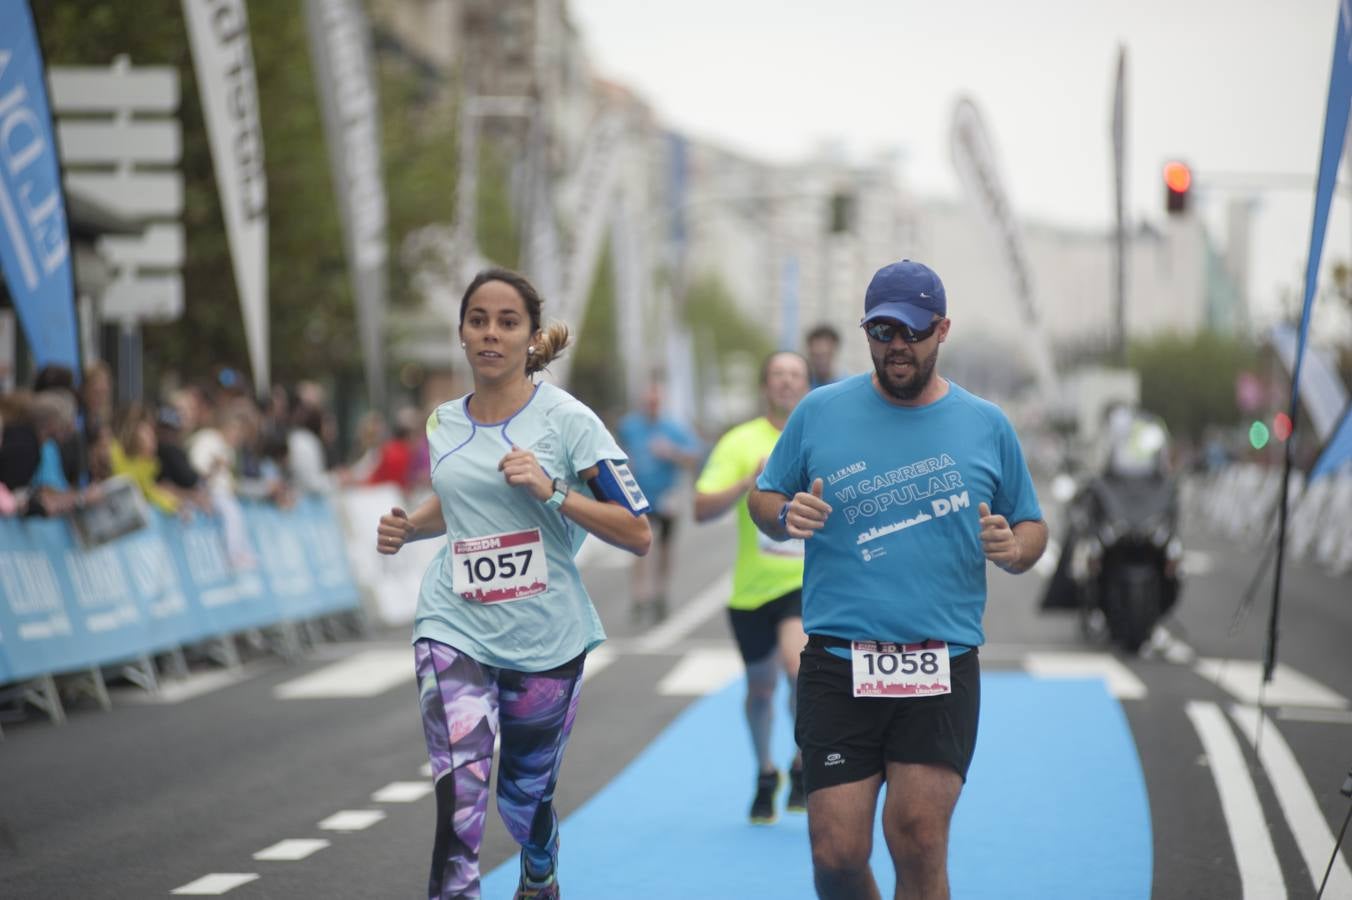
(522, 469)
(393, 532)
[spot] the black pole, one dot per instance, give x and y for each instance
(1270, 651)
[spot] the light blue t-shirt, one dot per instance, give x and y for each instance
(656, 476)
(534, 633)
(899, 558)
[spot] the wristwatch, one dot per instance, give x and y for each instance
(560, 492)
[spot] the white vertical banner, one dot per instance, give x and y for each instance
(975, 161)
(340, 45)
(218, 32)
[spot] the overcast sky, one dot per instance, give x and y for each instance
(1235, 87)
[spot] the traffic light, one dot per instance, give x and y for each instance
(1177, 186)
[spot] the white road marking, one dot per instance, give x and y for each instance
(597, 660)
(364, 674)
(1119, 680)
(1242, 679)
(402, 792)
(1322, 716)
(688, 617)
(701, 672)
(1298, 803)
(1260, 875)
(214, 884)
(352, 820)
(291, 849)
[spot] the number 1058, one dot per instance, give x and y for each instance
(926, 662)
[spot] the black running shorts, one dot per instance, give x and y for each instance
(846, 739)
(663, 526)
(757, 630)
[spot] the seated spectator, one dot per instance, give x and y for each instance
(176, 472)
(19, 445)
(395, 464)
(305, 451)
(51, 492)
(370, 437)
(9, 504)
(133, 454)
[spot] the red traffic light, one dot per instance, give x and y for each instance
(1177, 185)
(1282, 426)
(1177, 176)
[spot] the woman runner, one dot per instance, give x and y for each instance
(521, 473)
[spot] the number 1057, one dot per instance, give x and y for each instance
(487, 568)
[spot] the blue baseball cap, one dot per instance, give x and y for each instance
(908, 291)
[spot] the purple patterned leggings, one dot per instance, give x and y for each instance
(462, 701)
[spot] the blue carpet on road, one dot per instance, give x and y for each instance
(1055, 807)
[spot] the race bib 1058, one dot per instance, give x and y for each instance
(883, 669)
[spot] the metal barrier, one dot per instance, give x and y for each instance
(1240, 502)
(65, 609)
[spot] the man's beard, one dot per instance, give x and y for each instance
(906, 388)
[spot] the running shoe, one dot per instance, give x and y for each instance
(530, 889)
(763, 806)
(797, 801)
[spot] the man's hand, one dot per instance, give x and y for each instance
(393, 532)
(997, 539)
(522, 469)
(807, 512)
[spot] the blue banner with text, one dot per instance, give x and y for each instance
(65, 608)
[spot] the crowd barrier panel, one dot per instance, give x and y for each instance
(390, 584)
(1240, 503)
(64, 608)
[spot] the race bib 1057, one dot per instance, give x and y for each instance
(496, 568)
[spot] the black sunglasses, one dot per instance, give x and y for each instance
(883, 330)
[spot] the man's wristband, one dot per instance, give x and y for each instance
(784, 516)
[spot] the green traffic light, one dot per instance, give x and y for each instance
(1258, 435)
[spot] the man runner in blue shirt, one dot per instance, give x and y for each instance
(902, 484)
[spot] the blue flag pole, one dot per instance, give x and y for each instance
(35, 248)
(1335, 130)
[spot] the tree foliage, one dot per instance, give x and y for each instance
(311, 316)
(1189, 380)
(719, 327)
(597, 375)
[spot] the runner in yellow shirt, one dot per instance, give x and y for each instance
(766, 604)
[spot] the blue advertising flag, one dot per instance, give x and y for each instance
(1335, 130)
(34, 237)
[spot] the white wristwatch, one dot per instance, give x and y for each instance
(560, 492)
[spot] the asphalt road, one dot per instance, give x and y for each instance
(162, 792)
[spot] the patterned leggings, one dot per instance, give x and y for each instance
(461, 702)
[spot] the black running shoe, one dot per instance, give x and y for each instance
(763, 807)
(797, 802)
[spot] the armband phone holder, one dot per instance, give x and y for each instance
(614, 482)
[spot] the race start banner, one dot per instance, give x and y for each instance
(34, 237)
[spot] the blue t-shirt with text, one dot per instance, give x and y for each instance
(900, 557)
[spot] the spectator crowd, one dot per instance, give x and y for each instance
(204, 446)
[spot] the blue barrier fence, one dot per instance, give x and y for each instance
(64, 608)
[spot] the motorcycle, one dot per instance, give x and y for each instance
(1120, 565)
